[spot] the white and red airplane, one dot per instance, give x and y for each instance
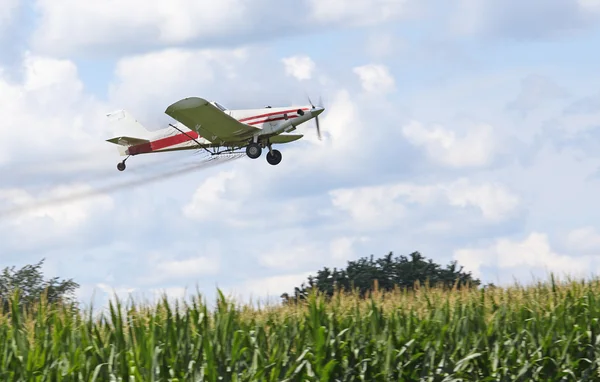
(212, 127)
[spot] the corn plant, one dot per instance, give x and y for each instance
(544, 332)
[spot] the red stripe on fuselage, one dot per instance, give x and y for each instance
(163, 142)
(272, 120)
(174, 140)
(270, 114)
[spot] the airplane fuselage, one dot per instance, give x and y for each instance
(201, 125)
(270, 121)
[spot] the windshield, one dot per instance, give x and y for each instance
(220, 106)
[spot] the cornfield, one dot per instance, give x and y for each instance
(543, 332)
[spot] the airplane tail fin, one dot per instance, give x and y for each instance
(134, 133)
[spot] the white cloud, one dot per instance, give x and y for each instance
(189, 267)
(475, 148)
(60, 120)
(64, 217)
(120, 26)
(122, 292)
(172, 293)
(375, 79)
(584, 240)
(373, 207)
(175, 74)
(342, 248)
(271, 287)
(383, 206)
(300, 67)
(358, 12)
(211, 200)
(342, 123)
(495, 201)
(108, 22)
(532, 253)
(291, 256)
(50, 128)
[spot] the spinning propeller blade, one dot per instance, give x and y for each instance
(317, 117)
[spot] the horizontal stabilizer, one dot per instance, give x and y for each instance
(127, 141)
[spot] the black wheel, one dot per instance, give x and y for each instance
(121, 166)
(253, 150)
(274, 158)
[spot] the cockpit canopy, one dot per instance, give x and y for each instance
(219, 106)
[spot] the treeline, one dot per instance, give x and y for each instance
(387, 272)
(31, 287)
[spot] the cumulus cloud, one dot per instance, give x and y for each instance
(51, 148)
(494, 201)
(375, 79)
(342, 248)
(374, 207)
(443, 146)
(106, 23)
(300, 67)
(534, 252)
(269, 288)
(292, 255)
(359, 12)
(64, 217)
(383, 206)
(213, 198)
(105, 26)
(584, 240)
(175, 74)
(189, 267)
(48, 113)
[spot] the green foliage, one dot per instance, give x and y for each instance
(547, 332)
(29, 281)
(387, 273)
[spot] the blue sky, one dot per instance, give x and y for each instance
(465, 130)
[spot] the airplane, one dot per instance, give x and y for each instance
(210, 126)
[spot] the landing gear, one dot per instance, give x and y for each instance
(274, 157)
(121, 166)
(253, 150)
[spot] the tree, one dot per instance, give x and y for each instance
(389, 272)
(32, 286)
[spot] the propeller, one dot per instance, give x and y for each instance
(317, 117)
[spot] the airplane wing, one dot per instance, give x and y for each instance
(209, 121)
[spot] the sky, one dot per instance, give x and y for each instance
(466, 130)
